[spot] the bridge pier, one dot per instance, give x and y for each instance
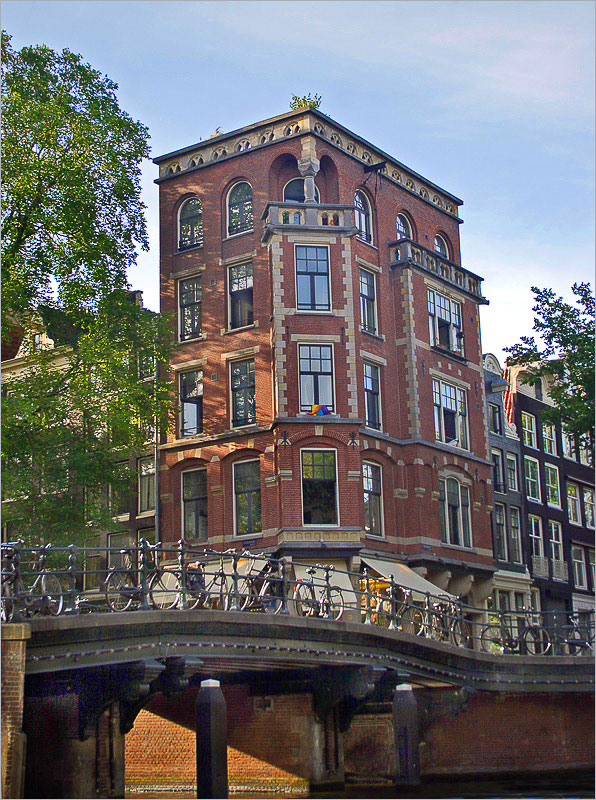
(406, 736)
(211, 741)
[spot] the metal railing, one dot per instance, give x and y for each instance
(46, 580)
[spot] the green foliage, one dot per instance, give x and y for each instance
(71, 210)
(305, 102)
(565, 358)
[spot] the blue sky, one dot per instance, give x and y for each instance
(493, 101)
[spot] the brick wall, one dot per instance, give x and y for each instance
(14, 643)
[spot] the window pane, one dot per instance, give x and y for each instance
(319, 487)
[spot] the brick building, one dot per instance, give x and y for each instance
(308, 270)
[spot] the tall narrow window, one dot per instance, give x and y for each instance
(240, 217)
(444, 323)
(568, 445)
(319, 487)
(556, 542)
(589, 507)
(548, 438)
(240, 287)
(579, 567)
(512, 479)
(551, 476)
(371, 479)
(119, 494)
(498, 476)
(316, 376)
(362, 216)
(532, 479)
(451, 415)
(500, 532)
(404, 229)
(494, 419)
(146, 484)
(371, 396)
(368, 302)
(454, 510)
(535, 525)
(515, 534)
(528, 429)
(190, 297)
(247, 493)
(573, 504)
(312, 278)
(194, 501)
(243, 392)
(191, 402)
(441, 246)
(190, 224)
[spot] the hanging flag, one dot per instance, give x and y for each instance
(318, 411)
(508, 394)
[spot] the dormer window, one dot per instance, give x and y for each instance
(294, 191)
(190, 225)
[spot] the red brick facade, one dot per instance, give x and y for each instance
(411, 460)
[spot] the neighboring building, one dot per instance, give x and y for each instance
(306, 268)
(559, 502)
(512, 582)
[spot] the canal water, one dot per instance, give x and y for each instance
(576, 784)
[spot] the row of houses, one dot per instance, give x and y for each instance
(333, 399)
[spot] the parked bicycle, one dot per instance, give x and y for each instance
(205, 585)
(260, 588)
(499, 637)
(573, 638)
(124, 585)
(318, 599)
(448, 623)
(43, 596)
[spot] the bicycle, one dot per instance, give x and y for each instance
(573, 639)
(260, 589)
(205, 589)
(44, 595)
(498, 638)
(448, 624)
(122, 588)
(328, 604)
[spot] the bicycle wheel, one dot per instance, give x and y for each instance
(120, 590)
(382, 614)
(270, 597)
(536, 641)
(461, 633)
(195, 592)
(491, 639)
(336, 603)
(304, 600)
(412, 621)
(52, 589)
(438, 626)
(164, 591)
(218, 595)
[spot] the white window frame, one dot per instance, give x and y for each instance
(555, 533)
(592, 566)
(182, 504)
(549, 439)
(333, 392)
(549, 470)
(579, 567)
(529, 430)
(246, 230)
(536, 536)
(494, 411)
(337, 504)
(178, 231)
(229, 292)
(179, 282)
(456, 337)
(448, 532)
(498, 467)
(515, 535)
(231, 364)
(573, 504)
(381, 534)
(568, 446)
(533, 498)
(461, 420)
(584, 453)
(252, 534)
(407, 226)
(588, 504)
(366, 234)
(329, 288)
(512, 459)
(181, 433)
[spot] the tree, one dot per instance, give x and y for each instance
(71, 221)
(305, 102)
(566, 358)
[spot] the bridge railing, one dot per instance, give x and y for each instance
(45, 580)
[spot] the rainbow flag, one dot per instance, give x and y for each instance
(318, 411)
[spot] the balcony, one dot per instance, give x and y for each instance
(285, 217)
(405, 251)
(560, 571)
(540, 567)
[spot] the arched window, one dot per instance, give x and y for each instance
(404, 229)
(190, 224)
(362, 216)
(294, 191)
(240, 208)
(454, 509)
(441, 247)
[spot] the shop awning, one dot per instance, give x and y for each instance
(337, 578)
(404, 576)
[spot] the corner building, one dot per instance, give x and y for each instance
(304, 267)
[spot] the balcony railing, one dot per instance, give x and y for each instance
(311, 216)
(560, 570)
(405, 251)
(540, 566)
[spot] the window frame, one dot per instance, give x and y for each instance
(234, 393)
(555, 532)
(243, 226)
(550, 469)
(492, 417)
(437, 302)
(511, 458)
(589, 517)
(529, 433)
(337, 505)
(575, 548)
(370, 393)
(199, 237)
(368, 305)
(532, 498)
(460, 419)
(379, 502)
(515, 544)
(238, 292)
(364, 233)
(181, 427)
(568, 446)
(445, 519)
(536, 535)
(500, 521)
(250, 533)
(311, 309)
(298, 202)
(196, 500)
(191, 305)
(439, 237)
(316, 392)
(573, 502)
(151, 486)
(407, 227)
(499, 484)
(549, 442)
